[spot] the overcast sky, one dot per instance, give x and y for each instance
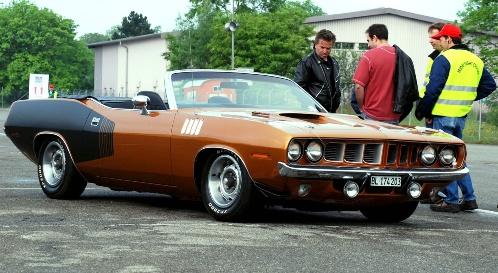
(100, 15)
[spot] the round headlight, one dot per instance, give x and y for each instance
(294, 151)
(428, 155)
(314, 151)
(447, 156)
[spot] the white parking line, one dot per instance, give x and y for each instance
(486, 212)
(40, 188)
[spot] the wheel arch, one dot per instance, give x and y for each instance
(203, 155)
(44, 136)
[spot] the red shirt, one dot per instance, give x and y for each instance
(375, 72)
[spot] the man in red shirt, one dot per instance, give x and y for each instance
(374, 77)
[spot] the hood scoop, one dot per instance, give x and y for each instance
(260, 114)
(304, 116)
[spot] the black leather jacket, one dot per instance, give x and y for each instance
(406, 89)
(320, 79)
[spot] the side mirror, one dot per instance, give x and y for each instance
(140, 102)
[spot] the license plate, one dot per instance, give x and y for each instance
(385, 181)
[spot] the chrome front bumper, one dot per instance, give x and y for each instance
(320, 172)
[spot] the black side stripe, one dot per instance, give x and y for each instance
(106, 147)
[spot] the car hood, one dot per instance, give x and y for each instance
(305, 124)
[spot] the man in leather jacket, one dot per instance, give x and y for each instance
(318, 72)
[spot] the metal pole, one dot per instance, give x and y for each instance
(233, 37)
(480, 120)
(233, 49)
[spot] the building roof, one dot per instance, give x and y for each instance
(373, 12)
(161, 35)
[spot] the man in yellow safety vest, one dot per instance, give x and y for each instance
(457, 79)
(436, 45)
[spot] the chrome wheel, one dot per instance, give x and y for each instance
(53, 163)
(224, 181)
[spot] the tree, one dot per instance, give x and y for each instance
(90, 38)
(480, 24)
(347, 59)
(134, 25)
(271, 38)
(37, 40)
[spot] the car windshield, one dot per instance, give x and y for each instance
(240, 90)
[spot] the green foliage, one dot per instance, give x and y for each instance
(90, 38)
(134, 25)
(37, 40)
(480, 24)
(271, 37)
(480, 21)
(347, 59)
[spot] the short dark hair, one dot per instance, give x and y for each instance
(379, 30)
(325, 34)
(437, 26)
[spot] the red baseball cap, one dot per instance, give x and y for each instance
(449, 30)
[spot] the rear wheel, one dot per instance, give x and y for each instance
(57, 175)
(227, 190)
(390, 213)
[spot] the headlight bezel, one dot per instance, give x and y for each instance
(441, 156)
(425, 151)
(309, 151)
(300, 154)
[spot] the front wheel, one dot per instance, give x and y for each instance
(390, 213)
(226, 187)
(57, 175)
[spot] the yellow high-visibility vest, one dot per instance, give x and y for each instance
(460, 89)
(421, 91)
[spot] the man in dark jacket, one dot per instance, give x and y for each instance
(318, 73)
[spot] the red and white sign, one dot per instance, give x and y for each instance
(38, 86)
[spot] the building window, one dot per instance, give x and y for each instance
(343, 45)
(362, 46)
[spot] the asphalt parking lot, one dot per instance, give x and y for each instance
(107, 231)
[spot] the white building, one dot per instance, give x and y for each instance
(125, 66)
(407, 30)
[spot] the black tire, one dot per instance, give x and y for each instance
(390, 213)
(58, 177)
(227, 191)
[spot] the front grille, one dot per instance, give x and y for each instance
(403, 157)
(334, 151)
(354, 152)
(390, 153)
(372, 153)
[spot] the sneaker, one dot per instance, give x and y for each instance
(445, 207)
(468, 205)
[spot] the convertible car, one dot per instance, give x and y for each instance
(236, 141)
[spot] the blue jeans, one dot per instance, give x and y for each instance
(455, 127)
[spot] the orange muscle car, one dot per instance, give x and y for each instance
(234, 140)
